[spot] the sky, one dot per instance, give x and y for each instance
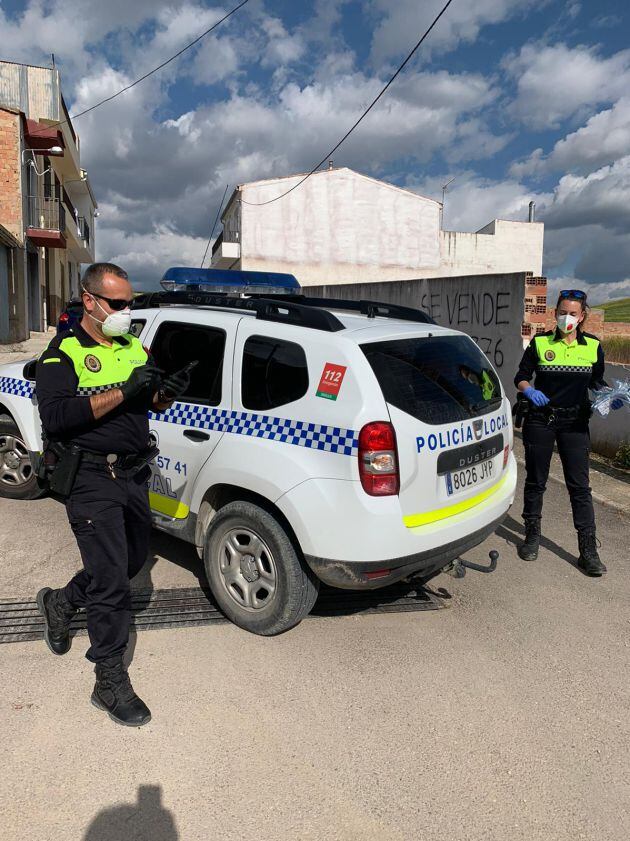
(516, 101)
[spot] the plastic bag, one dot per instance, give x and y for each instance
(614, 398)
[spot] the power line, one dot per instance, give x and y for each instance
(361, 118)
(146, 75)
(216, 219)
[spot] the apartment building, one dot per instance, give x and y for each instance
(47, 207)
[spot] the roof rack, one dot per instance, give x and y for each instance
(370, 308)
(279, 310)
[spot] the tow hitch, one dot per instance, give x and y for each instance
(459, 566)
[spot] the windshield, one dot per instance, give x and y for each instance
(437, 379)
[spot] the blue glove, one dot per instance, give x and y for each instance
(617, 403)
(536, 397)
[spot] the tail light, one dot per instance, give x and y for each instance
(378, 459)
(506, 455)
(64, 317)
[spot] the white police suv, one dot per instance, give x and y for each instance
(353, 443)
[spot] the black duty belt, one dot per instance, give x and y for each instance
(122, 462)
(553, 414)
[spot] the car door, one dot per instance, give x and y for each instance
(190, 429)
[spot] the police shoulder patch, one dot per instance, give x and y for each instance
(92, 363)
(550, 355)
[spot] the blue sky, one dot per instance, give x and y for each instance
(515, 100)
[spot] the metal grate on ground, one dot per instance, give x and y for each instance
(20, 621)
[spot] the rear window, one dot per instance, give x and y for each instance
(438, 379)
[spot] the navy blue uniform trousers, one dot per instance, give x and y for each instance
(573, 442)
(111, 520)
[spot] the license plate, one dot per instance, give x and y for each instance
(460, 480)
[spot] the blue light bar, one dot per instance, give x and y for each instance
(228, 281)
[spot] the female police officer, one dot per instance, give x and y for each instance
(566, 362)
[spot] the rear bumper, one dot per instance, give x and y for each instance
(351, 575)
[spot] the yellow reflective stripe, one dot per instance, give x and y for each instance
(169, 507)
(55, 359)
(413, 520)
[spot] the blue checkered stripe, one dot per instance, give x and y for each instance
(19, 388)
(329, 439)
(89, 390)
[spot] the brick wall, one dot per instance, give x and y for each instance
(10, 198)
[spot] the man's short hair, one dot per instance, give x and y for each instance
(92, 279)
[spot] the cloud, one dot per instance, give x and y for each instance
(146, 256)
(471, 201)
(403, 22)
(599, 198)
(604, 139)
(244, 137)
(598, 293)
(554, 82)
(67, 28)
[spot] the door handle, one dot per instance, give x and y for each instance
(196, 435)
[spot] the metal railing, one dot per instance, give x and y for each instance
(45, 214)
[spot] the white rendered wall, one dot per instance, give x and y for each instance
(340, 226)
(499, 247)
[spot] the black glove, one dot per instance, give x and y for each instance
(176, 384)
(145, 378)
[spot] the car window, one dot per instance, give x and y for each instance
(274, 373)
(177, 344)
(438, 380)
(137, 326)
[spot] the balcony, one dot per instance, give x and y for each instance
(79, 237)
(226, 249)
(46, 222)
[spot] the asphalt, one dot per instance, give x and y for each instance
(504, 716)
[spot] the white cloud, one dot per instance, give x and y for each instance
(598, 293)
(403, 22)
(599, 198)
(146, 256)
(471, 202)
(555, 82)
(282, 47)
(604, 139)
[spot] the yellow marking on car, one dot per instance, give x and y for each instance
(170, 507)
(413, 520)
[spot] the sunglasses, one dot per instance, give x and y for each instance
(114, 303)
(573, 293)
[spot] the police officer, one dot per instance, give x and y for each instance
(95, 385)
(566, 363)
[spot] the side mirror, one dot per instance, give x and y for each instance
(29, 370)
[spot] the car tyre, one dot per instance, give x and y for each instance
(17, 478)
(256, 573)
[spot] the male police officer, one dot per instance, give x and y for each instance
(95, 385)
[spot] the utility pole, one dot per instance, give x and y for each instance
(444, 188)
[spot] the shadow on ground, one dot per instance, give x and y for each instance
(145, 820)
(513, 532)
(331, 602)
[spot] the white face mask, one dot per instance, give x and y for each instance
(116, 323)
(567, 323)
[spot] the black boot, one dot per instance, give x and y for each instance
(589, 561)
(528, 550)
(58, 613)
(114, 693)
